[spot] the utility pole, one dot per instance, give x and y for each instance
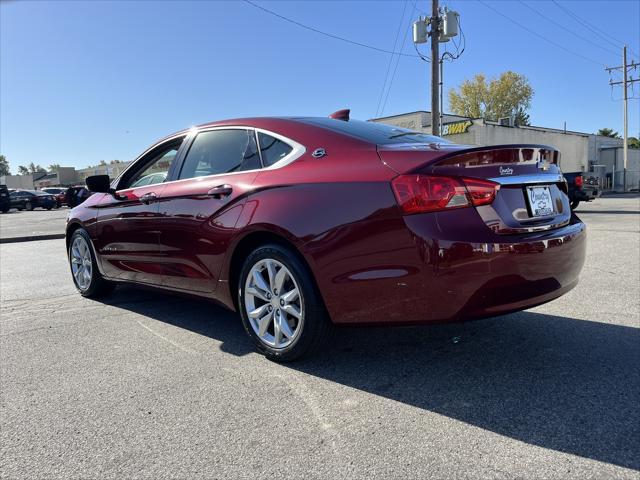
(443, 28)
(625, 95)
(435, 73)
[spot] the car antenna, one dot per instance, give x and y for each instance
(341, 115)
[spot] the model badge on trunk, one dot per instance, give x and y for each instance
(506, 171)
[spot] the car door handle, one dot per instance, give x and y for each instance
(147, 198)
(220, 191)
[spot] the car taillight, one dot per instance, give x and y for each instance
(426, 193)
(482, 192)
(578, 181)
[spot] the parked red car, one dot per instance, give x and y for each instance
(301, 223)
(59, 194)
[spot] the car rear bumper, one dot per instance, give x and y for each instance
(438, 275)
(586, 194)
(501, 274)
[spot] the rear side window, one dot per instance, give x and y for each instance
(272, 149)
(221, 151)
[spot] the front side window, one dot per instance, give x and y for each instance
(221, 151)
(272, 149)
(155, 168)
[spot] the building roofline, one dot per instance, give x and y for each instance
(493, 122)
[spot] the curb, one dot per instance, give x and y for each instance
(32, 238)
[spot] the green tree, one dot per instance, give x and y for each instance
(608, 132)
(4, 166)
(633, 142)
(54, 167)
(522, 117)
(505, 96)
(35, 168)
(31, 168)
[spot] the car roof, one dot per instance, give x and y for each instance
(276, 124)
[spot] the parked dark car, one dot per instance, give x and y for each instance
(31, 199)
(301, 223)
(5, 201)
(59, 193)
(582, 188)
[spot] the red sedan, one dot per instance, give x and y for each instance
(302, 223)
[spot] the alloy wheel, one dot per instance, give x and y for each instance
(274, 303)
(81, 265)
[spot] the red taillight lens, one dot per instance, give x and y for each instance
(482, 192)
(578, 181)
(425, 193)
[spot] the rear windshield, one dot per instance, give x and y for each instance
(378, 133)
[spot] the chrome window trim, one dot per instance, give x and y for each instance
(173, 138)
(298, 150)
(529, 179)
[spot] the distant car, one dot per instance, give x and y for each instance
(59, 194)
(30, 199)
(582, 188)
(74, 196)
(5, 202)
(298, 223)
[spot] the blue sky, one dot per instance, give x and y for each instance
(86, 81)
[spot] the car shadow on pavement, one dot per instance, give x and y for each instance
(198, 316)
(556, 382)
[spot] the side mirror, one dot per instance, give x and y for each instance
(101, 184)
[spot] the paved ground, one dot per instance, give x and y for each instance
(15, 223)
(151, 386)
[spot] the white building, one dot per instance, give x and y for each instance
(111, 169)
(579, 152)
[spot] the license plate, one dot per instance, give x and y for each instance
(540, 201)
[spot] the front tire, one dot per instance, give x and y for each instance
(29, 206)
(575, 204)
(280, 306)
(84, 269)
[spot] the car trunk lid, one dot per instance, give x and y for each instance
(531, 193)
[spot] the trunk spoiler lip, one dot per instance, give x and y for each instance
(465, 149)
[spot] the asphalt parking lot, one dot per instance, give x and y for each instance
(147, 385)
(23, 224)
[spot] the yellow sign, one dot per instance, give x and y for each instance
(456, 127)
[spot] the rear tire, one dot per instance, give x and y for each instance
(29, 206)
(280, 306)
(574, 204)
(84, 268)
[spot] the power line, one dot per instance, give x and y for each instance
(395, 42)
(533, 32)
(564, 27)
(602, 34)
(326, 34)
(404, 40)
